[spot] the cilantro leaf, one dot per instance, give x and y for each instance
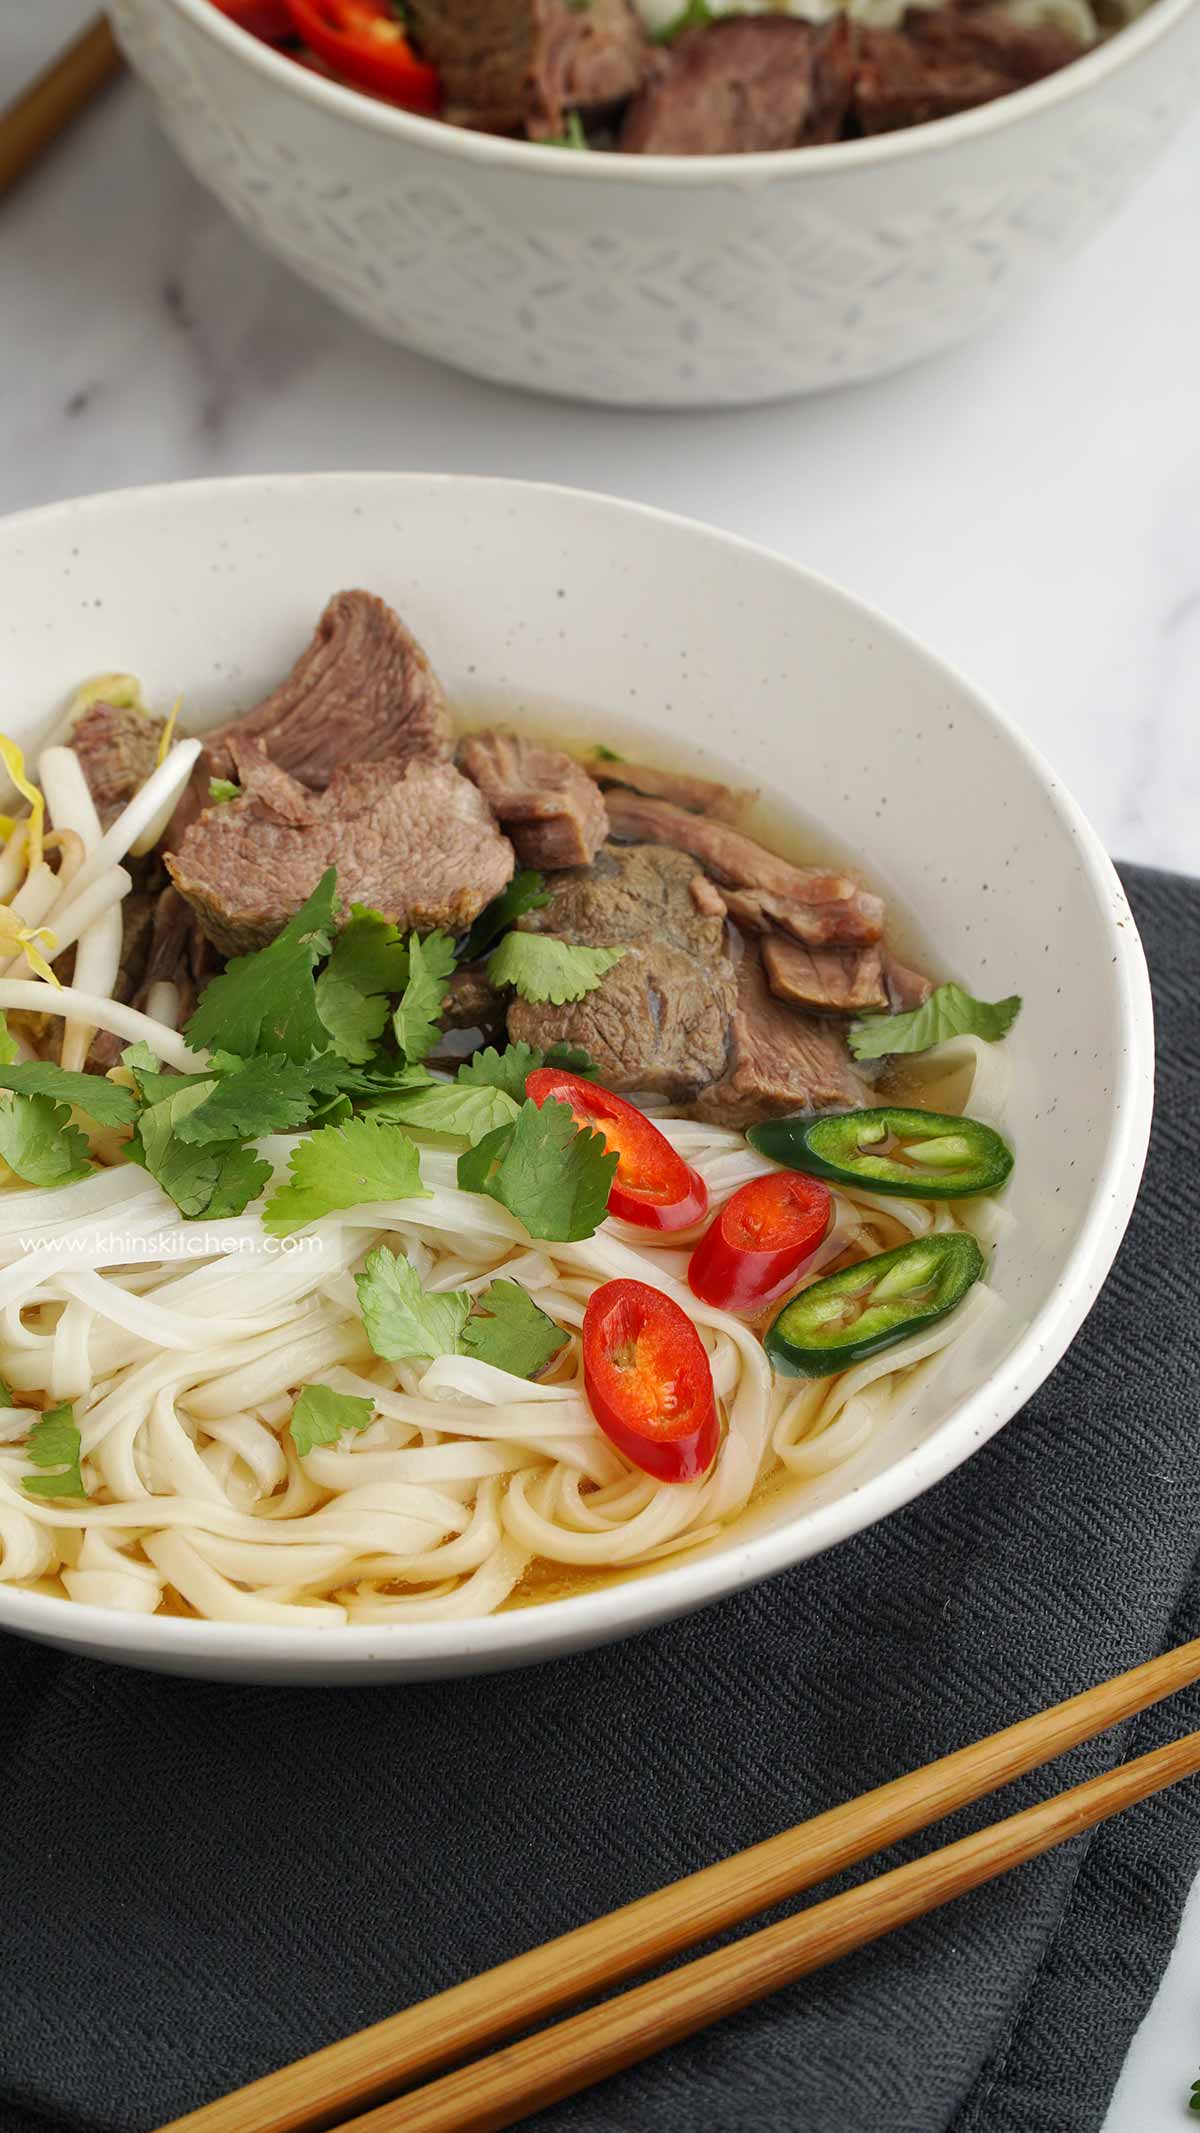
(417, 1018)
(539, 967)
(103, 1100)
(140, 1059)
(343, 1166)
(526, 891)
(948, 1012)
(510, 1069)
(449, 1107)
(219, 1179)
(402, 1322)
(507, 1071)
(220, 790)
(321, 1415)
(553, 1176)
(369, 963)
(606, 755)
(9, 1048)
(6, 1394)
(266, 1095)
(508, 1330)
(55, 1442)
(38, 1141)
(267, 1002)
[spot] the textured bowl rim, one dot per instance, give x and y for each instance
(524, 1636)
(742, 171)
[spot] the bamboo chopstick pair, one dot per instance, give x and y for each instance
(57, 96)
(355, 2086)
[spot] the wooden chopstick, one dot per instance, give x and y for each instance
(524, 2078)
(55, 97)
(320, 2091)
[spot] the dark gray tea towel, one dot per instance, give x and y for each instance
(198, 1883)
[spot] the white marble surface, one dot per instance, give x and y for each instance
(1030, 503)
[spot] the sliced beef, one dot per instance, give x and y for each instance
(827, 981)
(743, 83)
(544, 799)
(512, 66)
(701, 796)
(363, 690)
(944, 60)
(780, 1061)
(761, 890)
(414, 840)
(835, 67)
(906, 988)
(117, 746)
(659, 1021)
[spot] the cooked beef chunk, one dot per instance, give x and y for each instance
(835, 65)
(781, 1060)
(906, 988)
(545, 800)
(812, 903)
(701, 796)
(414, 840)
(512, 66)
(743, 83)
(948, 59)
(363, 691)
(659, 1020)
(829, 981)
(117, 746)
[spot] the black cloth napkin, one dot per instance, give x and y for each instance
(198, 1883)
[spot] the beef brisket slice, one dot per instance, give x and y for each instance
(816, 905)
(827, 981)
(543, 798)
(414, 840)
(781, 1061)
(949, 59)
(659, 1019)
(700, 796)
(746, 82)
(512, 66)
(362, 691)
(117, 747)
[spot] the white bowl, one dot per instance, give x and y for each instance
(672, 282)
(526, 595)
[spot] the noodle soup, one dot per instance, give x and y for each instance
(444, 1171)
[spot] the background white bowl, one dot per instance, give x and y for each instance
(532, 596)
(671, 282)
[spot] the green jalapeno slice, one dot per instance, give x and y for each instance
(852, 1315)
(925, 1155)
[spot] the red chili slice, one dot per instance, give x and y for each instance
(363, 42)
(268, 19)
(648, 1380)
(653, 1186)
(760, 1240)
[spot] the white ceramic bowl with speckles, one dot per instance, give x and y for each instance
(653, 280)
(871, 745)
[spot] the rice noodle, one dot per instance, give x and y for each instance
(184, 1369)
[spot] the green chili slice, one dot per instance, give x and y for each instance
(852, 1315)
(926, 1155)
